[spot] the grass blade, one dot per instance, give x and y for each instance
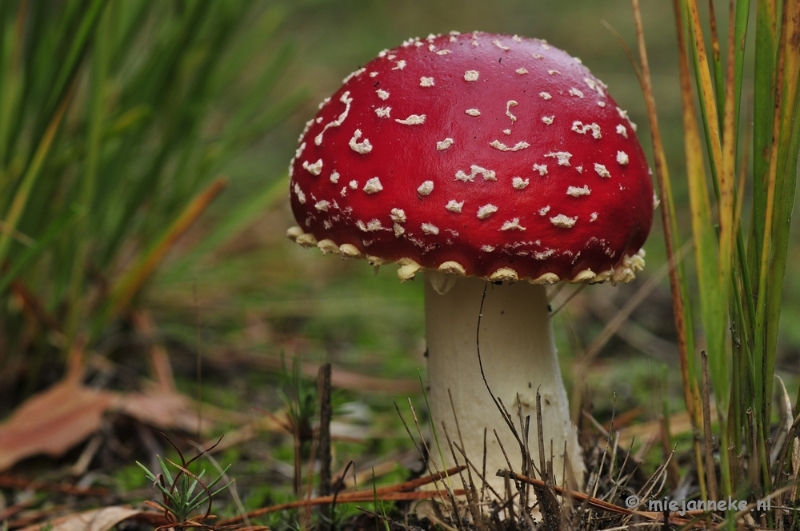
(88, 182)
(781, 188)
(677, 277)
(713, 292)
(132, 281)
(229, 227)
(57, 227)
(30, 176)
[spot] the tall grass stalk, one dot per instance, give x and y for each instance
(740, 259)
(116, 119)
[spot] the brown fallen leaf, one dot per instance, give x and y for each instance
(57, 419)
(52, 422)
(94, 520)
(162, 410)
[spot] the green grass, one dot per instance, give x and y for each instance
(116, 120)
(740, 252)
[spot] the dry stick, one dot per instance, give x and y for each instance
(753, 505)
(11, 511)
(37, 517)
(650, 486)
(460, 438)
(612, 444)
(483, 468)
(452, 451)
(421, 451)
(324, 437)
(596, 475)
(710, 469)
(540, 436)
(352, 497)
(508, 506)
(673, 471)
(399, 492)
(424, 452)
(527, 468)
(468, 487)
(481, 475)
(448, 489)
(570, 502)
(789, 441)
(525, 423)
(340, 483)
(16, 482)
(551, 511)
(619, 481)
(604, 505)
(615, 444)
(472, 502)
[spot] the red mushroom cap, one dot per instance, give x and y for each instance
(485, 155)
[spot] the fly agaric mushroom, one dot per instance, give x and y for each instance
(479, 157)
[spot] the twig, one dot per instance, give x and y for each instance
(472, 493)
(604, 505)
(481, 475)
(16, 482)
(7, 513)
(439, 475)
(399, 492)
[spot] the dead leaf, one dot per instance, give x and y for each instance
(162, 410)
(52, 422)
(95, 520)
(66, 414)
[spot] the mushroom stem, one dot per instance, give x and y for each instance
(518, 356)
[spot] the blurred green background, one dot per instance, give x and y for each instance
(162, 98)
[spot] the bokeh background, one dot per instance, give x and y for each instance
(232, 289)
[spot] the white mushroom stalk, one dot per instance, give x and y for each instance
(519, 358)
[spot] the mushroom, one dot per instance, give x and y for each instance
(498, 165)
